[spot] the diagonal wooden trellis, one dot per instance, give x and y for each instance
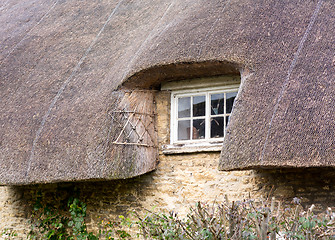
(133, 128)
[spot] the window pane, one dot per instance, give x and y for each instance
(199, 106)
(217, 103)
(184, 127)
(184, 107)
(198, 128)
(227, 120)
(230, 101)
(217, 127)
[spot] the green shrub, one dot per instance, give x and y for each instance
(237, 220)
(8, 234)
(48, 222)
(240, 220)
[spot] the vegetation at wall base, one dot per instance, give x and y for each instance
(48, 222)
(241, 220)
(236, 220)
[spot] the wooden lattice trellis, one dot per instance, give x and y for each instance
(133, 128)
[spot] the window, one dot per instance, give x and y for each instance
(200, 111)
(201, 115)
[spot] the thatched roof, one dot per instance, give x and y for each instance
(285, 111)
(62, 64)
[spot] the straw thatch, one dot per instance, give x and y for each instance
(284, 114)
(62, 64)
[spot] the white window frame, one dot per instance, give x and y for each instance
(194, 92)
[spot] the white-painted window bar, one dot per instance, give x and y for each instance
(201, 115)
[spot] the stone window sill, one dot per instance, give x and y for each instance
(191, 148)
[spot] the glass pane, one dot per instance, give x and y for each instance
(199, 106)
(184, 107)
(230, 101)
(198, 129)
(184, 127)
(217, 103)
(227, 120)
(217, 128)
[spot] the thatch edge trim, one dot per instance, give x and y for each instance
(133, 78)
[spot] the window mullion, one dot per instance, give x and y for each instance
(207, 116)
(184, 118)
(191, 118)
(224, 113)
(174, 117)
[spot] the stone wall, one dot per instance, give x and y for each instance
(179, 181)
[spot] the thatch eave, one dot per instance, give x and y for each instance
(150, 77)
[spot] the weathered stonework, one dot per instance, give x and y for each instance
(179, 181)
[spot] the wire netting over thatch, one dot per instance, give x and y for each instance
(132, 140)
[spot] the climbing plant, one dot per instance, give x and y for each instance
(48, 222)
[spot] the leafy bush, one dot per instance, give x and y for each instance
(220, 221)
(48, 222)
(8, 234)
(240, 220)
